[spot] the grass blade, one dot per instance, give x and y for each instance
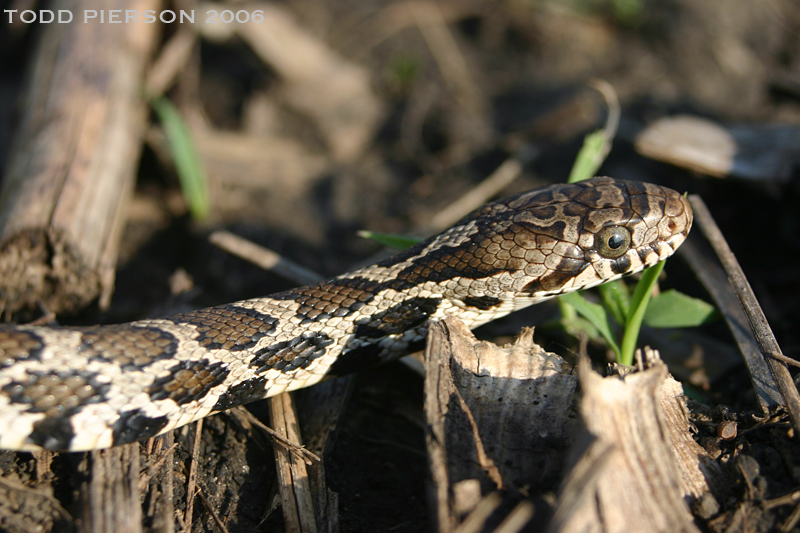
(184, 154)
(596, 315)
(595, 148)
(398, 242)
(641, 297)
(616, 299)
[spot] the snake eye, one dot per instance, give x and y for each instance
(613, 241)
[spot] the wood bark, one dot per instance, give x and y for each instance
(72, 165)
(503, 418)
(498, 418)
(110, 492)
(625, 476)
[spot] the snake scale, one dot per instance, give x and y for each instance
(85, 388)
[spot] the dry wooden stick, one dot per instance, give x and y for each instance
(110, 495)
(72, 165)
(210, 508)
(191, 482)
(307, 456)
(711, 274)
(502, 176)
(296, 498)
(263, 257)
(755, 315)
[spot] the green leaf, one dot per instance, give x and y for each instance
(616, 299)
(568, 312)
(398, 242)
(641, 297)
(576, 326)
(596, 315)
(673, 309)
(184, 154)
(628, 12)
(595, 148)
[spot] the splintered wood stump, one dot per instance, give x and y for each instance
(498, 417)
(636, 466)
(71, 168)
(504, 418)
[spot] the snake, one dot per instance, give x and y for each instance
(86, 388)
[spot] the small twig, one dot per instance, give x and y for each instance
(786, 359)
(751, 489)
(517, 518)
(48, 317)
(790, 522)
(475, 522)
(449, 59)
(612, 101)
(786, 499)
(191, 483)
(298, 501)
(44, 463)
(263, 257)
(147, 475)
(485, 461)
(709, 272)
(212, 512)
(170, 62)
(301, 452)
(767, 425)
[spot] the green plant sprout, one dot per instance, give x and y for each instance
(190, 172)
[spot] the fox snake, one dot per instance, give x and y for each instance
(84, 388)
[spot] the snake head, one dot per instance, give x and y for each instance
(539, 244)
(576, 236)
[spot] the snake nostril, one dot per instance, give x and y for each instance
(671, 225)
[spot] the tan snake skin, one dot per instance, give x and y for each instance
(88, 388)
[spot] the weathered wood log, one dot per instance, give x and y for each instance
(497, 417)
(503, 418)
(72, 166)
(626, 474)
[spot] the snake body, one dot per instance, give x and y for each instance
(84, 388)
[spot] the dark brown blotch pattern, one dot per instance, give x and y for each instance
(228, 327)
(59, 397)
(126, 346)
(477, 257)
(242, 393)
(335, 298)
(134, 425)
(356, 359)
(288, 356)
(188, 381)
(482, 302)
(54, 394)
(550, 282)
(16, 346)
(399, 318)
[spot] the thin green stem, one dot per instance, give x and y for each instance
(639, 301)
